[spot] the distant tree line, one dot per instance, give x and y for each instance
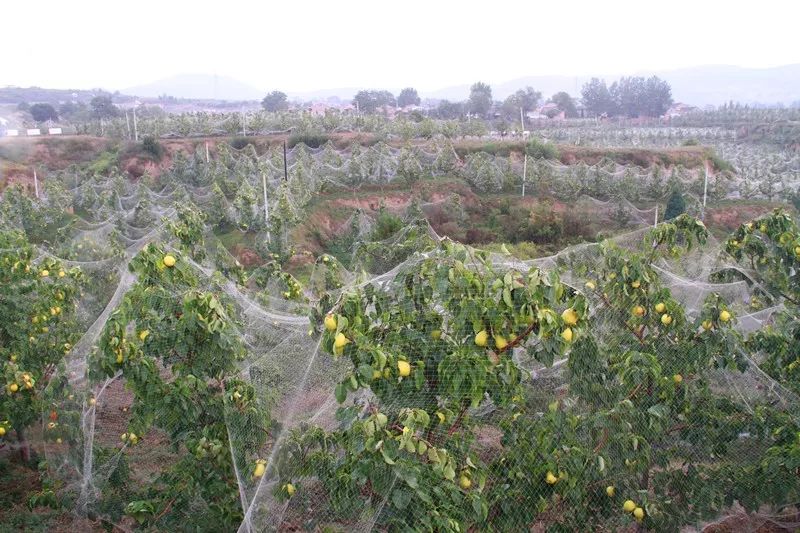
(629, 96)
(100, 107)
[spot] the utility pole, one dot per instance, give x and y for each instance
(524, 174)
(266, 206)
(36, 183)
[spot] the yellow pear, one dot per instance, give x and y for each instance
(436, 334)
(500, 342)
(569, 316)
(340, 341)
(724, 315)
(677, 378)
(464, 482)
(169, 260)
(551, 479)
(290, 489)
(610, 491)
(638, 514)
(660, 307)
(330, 322)
(567, 335)
(482, 338)
(628, 506)
(666, 319)
(404, 368)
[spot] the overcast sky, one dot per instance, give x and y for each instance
(308, 45)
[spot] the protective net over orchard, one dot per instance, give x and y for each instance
(408, 382)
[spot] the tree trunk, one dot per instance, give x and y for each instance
(24, 446)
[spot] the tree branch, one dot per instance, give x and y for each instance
(519, 339)
(457, 423)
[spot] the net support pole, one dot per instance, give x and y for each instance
(655, 221)
(128, 124)
(266, 204)
(521, 123)
(705, 191)
(244, 123)
(36, 183)
(135, 127)
(285, 164)
(208, 159)
(524, 173)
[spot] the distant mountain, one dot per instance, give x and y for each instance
(700, 86)
(198, 86)
(344, 93)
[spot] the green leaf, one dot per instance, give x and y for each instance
(386, 459)
(340, 393)
(401, 498)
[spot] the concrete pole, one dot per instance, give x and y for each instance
(705, 191)
(524, 174)
(266, 206)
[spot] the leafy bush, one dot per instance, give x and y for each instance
(240, 142)
(312, 140)
(152, 148)
(538, 149)
(676, 205)
(386, 225)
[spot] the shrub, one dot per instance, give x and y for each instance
(676, 205)
(312, 140)
(240, 142)
(539, 149)
(152, 148)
